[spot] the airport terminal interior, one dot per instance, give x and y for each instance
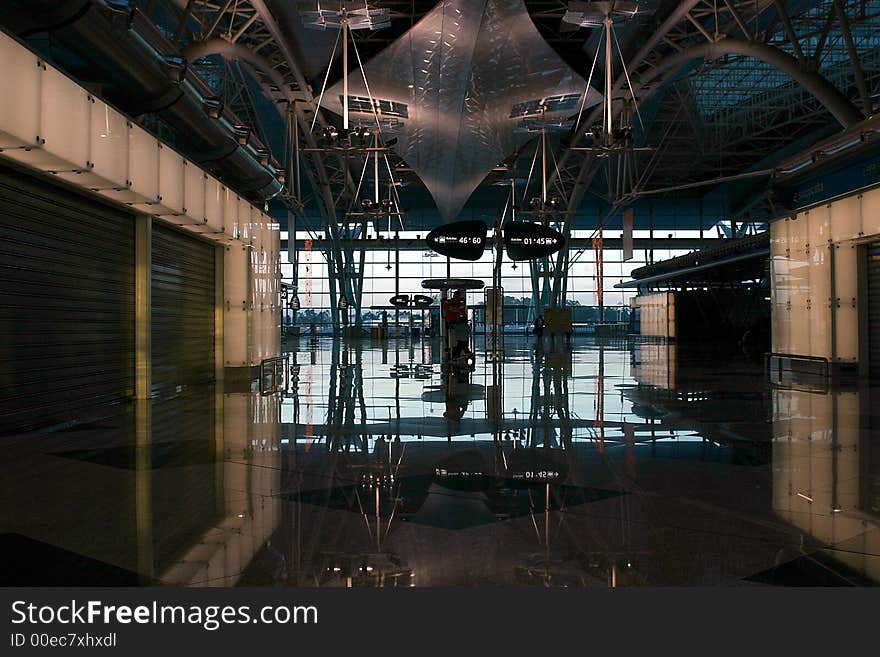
(418, 293)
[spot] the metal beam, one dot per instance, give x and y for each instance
(789, 31)
(263, 21)
(227, 50)
(739, 21)
(859, 74)
(587, 171)
(833, 100)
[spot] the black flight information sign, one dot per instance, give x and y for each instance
(462, 240)
(527, 241)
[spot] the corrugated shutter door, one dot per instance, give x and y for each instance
(874, 309)
(183, 311)
(66, 304)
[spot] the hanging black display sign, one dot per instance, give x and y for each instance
(422, 301)
(462, 240)
(527, 241)
(399, 300)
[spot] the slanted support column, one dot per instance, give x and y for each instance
(537, 307)
(332, 281)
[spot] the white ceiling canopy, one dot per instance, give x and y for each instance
(458, 84)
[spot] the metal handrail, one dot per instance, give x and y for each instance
(825, 373)
(277, 371)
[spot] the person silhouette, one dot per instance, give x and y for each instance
(539, 326)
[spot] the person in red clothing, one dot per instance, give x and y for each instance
(454, 309)
(455, 319)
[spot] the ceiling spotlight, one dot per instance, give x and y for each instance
(213, 107)
(534, 203)
(242, 133)
(175, 67)
(358, 17)
(362, 132)
(367, 203)
(593, 14)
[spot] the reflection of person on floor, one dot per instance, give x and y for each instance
(456, 396)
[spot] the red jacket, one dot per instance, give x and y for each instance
(454, 311)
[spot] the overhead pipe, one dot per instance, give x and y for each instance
(141, 73)
(857, 135)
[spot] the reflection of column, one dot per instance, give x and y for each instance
(143, 384)
(251, 508)
(600, 399)
(816, 474)
(629, 439)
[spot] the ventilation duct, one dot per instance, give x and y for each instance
(138, 70)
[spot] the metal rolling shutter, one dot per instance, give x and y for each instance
(183, 311)
(869, 446)
(873, 329)
(66, 304)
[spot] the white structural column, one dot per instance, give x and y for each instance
(236, 287)
(657, 314)
(273, 237)
(814, 277)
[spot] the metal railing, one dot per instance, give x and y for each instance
(274, 375)
(791, 369)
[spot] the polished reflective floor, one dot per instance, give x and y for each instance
(560, 463)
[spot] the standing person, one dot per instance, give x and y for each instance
(539, 325)
(454, 313)
(454, 310)
(462, 333)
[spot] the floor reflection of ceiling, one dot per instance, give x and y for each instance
(458, 83)
(454, 502)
